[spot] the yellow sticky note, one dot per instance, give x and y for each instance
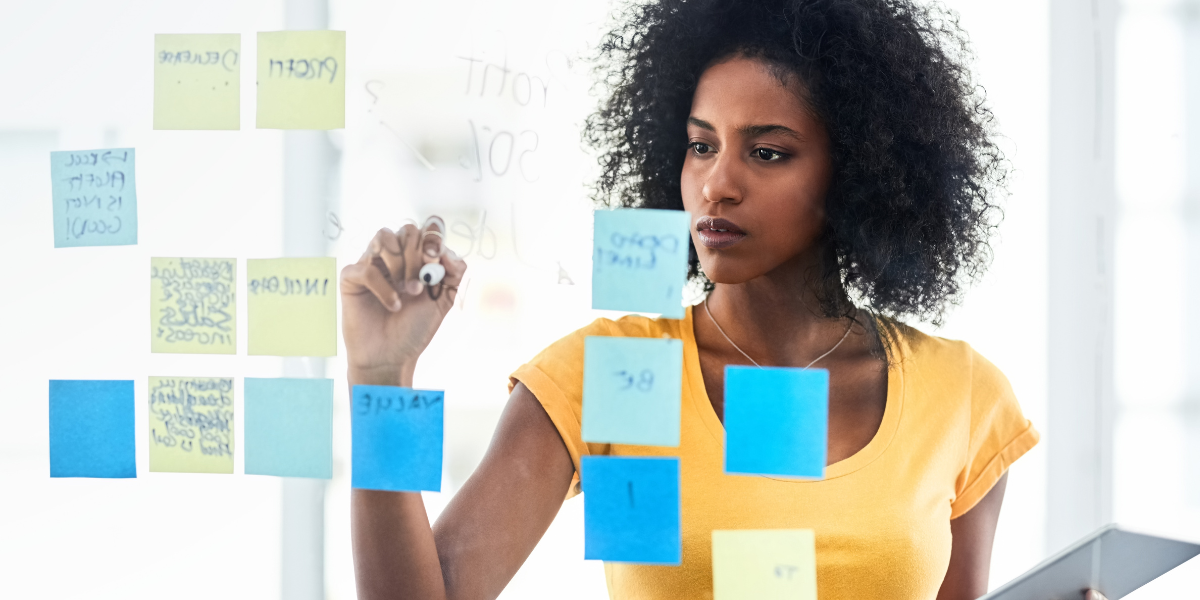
(193, 305)
(764, 564)
(197, 81)
(191, 424)
(301, 80)
(292, 306)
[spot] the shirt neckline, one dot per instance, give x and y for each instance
(698, 397)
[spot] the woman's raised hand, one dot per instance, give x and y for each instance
(388, 315)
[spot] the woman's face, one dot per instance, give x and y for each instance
(756, 172)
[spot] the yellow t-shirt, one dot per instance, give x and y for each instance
(950, 429)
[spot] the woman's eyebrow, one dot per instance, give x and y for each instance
(757, 130)
(751, 130)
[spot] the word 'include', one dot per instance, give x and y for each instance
(197, 81)
(193, 306)
(292, 306)
(95, 202)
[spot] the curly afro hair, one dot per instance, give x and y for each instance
(911, 206)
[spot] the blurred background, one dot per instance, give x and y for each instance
(472, 110)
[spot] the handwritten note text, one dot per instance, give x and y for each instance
(95, 202)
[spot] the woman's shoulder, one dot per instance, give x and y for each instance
(571, 345)
(566, 354)
(940, 358)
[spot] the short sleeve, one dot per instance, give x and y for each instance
(999, 435)
(555, 376)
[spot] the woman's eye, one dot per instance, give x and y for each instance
(768, 154)
(700, 147)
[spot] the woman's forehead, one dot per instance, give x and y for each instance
(744, 93)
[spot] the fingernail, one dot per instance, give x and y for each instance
(396, 304)
(431, 252)
(414, 286)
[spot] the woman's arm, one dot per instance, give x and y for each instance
(971, 548)
(493, 523)
(487, 531)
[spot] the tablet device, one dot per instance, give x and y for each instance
(1112, 561)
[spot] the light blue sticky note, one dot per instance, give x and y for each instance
(640, 260)
(396, 439)
(776, 421)
(631, 509)
(95, 200)
(632, 390)
(289, 427)
(91, 429)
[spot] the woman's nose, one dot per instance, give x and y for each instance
(723, 181)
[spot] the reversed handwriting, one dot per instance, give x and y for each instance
(290, 286)
(304, 68)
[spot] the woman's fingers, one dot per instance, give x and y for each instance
(364, 276)
(1094, 595)
(386, 248)
(432, 240)
(410, 245)
(455, 267)
(399, 256)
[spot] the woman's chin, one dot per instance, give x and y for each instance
(726, 275)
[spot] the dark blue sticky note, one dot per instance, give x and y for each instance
(631, 510)
(91, 429)
(776, 421)
(396, 440)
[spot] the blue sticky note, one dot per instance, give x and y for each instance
(776, 421)
(631, 510)
(396, 439)
(289, 427)
(640, 260)
(632, 390)
(95, 200)
(91, 429)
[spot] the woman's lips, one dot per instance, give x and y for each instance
(718, 233)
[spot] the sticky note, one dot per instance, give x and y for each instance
(632, 390)
(91, 429)
(396, 439)
(292, 306)
(191, 424)
(302, 80)
(631, 510)
(640, 260)
(776, 421)
(95, 200)
(193, 305)
(764, 564)
(197, 81)
(288, 425)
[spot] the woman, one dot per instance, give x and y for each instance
(837, 165)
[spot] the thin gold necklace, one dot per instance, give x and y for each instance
(735, 346)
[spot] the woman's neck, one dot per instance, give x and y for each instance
(776, 319)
